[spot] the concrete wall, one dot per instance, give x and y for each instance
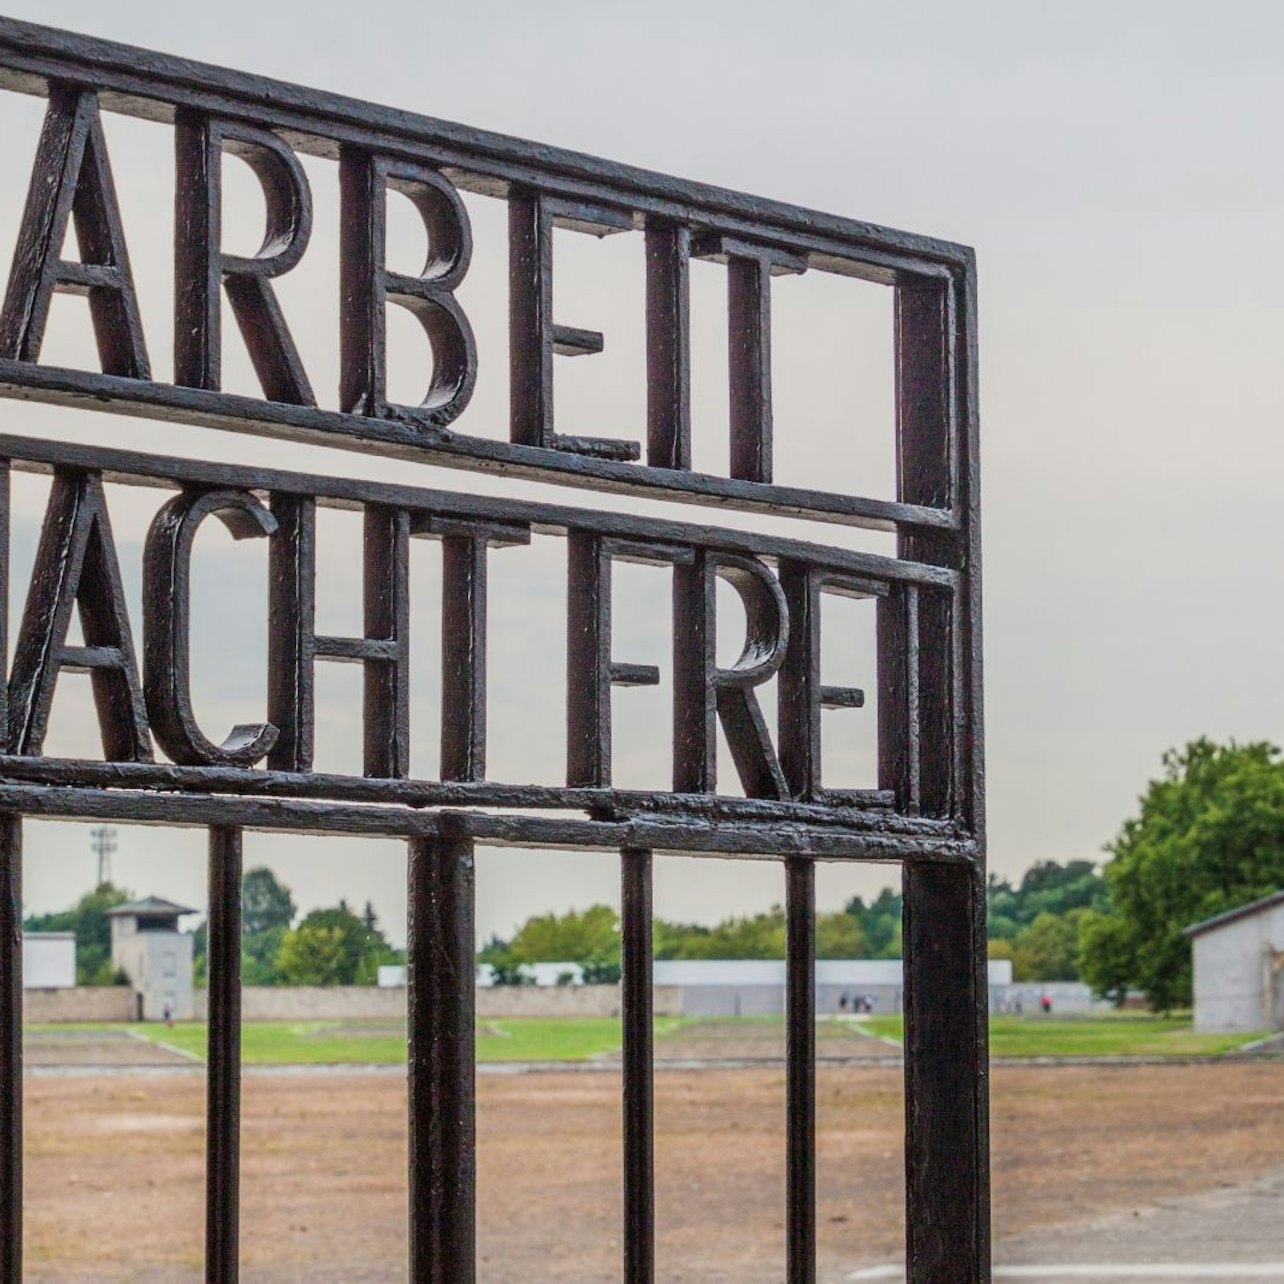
(82, 1003)
(1069, 998)
(1233, 988)
(370, 1003)
(314, 1003)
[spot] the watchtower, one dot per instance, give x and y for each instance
(147, 945)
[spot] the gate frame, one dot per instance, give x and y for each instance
(930, 692)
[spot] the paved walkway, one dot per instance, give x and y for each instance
(1232, 1233)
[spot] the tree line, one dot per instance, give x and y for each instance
(1208, 836)
(1034, 922)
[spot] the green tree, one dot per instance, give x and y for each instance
(266, 903)
(753, 936)
(333, 947)
(1209, 836)
(880, 923)
(839, 936)
(88, 919)
(314, 954)
(1047, 888)
(267, 910)
(1047, 950)
(577, 936)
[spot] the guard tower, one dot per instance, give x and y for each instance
(155, 955)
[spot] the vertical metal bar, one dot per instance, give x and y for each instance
(292, 607)
(386, 604)
(800, 1070)
(639, 1143)
(668, 346)
(463, 657)
(443, 1166)
(588, 661)
(749, 313)
(530, 319)
(946, 1076)
(913, 720)
(10, 1049)
(223, 1092)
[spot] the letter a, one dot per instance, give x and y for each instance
(72, 179)
(76, 565)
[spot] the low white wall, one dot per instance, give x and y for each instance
(79, 1003)
(370, 1003)
(314, 1003)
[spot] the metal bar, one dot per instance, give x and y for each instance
(800, 1070)
(10, 1049)
(636, 1001)
(223, 1094)
(668, 346)
(931, 841)
(946, 1077)
(159, 79)
(443, 1162)
(231, 412)
(132, 468)
(864, 809)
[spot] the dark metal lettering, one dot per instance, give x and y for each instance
(534, 337)
(167, 611)
(926, 814)
(465, 547)
(802, 694)
(367, 287)
(668, 345)
(294, 646)
(590, 670)
(71, 181)
(76, 565)
(703, 692)
(202, 270)
(749, 272)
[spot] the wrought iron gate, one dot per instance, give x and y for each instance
(926, 814)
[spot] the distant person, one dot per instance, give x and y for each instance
(169, 1016)
(1046, 1003)
(842, 1003)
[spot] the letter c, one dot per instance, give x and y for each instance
(167, 585)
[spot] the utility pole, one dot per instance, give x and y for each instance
(103, 840)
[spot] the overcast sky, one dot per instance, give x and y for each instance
(1118, 169)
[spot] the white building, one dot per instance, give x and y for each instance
(147, 945)
(48, 960)
(1239, 967)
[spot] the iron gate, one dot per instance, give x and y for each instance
(926, 814)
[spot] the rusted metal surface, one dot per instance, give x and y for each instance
(160, 765)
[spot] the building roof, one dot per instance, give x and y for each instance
(1230, 916)
(151, 907)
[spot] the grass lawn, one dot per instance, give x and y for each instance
(1123, 1034)
(581, 1038)
(337, 1042)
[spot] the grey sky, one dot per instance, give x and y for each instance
(1118, 170)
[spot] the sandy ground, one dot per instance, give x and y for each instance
(115, 1163)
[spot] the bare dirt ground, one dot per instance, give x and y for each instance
(115, 1163)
